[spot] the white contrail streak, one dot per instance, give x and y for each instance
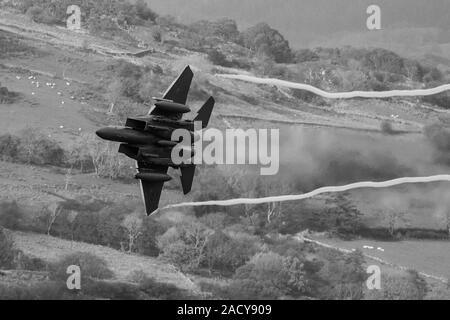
(357, 185)
(339, 95)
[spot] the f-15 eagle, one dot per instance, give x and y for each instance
(147, 139)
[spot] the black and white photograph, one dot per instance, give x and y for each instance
(224, 156)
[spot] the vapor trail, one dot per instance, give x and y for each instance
(339, 95)
(357, 185)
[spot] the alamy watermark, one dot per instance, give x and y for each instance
(373, 22)
(234, 146)
(74, 280)
(374, 280)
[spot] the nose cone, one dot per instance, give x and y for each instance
(106, 133)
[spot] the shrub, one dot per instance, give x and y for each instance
(9, 147)
(144, 12)
(135, 82)
(10, 215)
(86, 227)
(42, 15)
(184, 245)
(40, 150)
(110, 230)
(375, 85)
(225, 254)
(340, 216)
(383, 60)
(218, 58)
(7, 252)
(407, 287)
(182, 255)
(111, 290)
(157, 35)
(386, 127)
(147, 243)
(105, 159)
(31, 147)
(432, 75)
(269, 276)
(7, 96)
(49, 290)
(48, 11)
(343, 276)
(31, 263)
(137, 276)
(162, 291)
(305, 55)
(91, 266)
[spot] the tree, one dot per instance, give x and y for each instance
(225, 29)
(344, 214)
(112, 233)
(53, 211)
(132, 224)
(185, 244)
(394, 215)
(37, 148)
(144, 12)
(85, 227)
(147, 243)
(344, 276)
(261, 38)
(106, 161)
(222, 253)
(269, 276)
(218, 58)
(383, 60)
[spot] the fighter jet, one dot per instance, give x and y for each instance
(147, 139)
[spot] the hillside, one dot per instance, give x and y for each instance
(59, 182)
(51, 250)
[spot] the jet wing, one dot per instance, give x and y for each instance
(151, 191)
(177, 92)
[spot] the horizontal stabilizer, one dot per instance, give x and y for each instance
(152, 182)
(151, 192)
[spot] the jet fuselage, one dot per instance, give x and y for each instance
(147, 139)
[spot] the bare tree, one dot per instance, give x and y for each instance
(53, 211)
(68, 178)
(133, 225)
(393, 218)
(113, 95)
(198, 236)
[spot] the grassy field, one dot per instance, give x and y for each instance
(430, 257)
